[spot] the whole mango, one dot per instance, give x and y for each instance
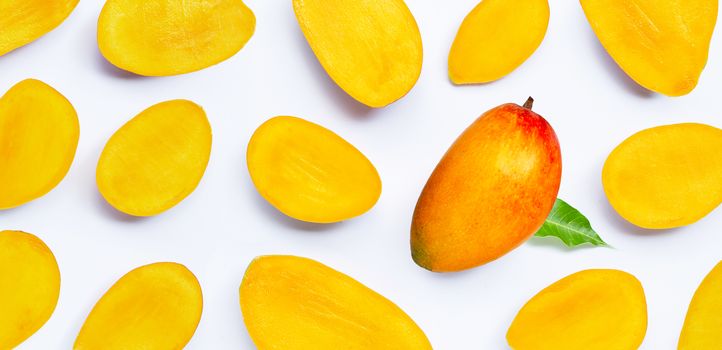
(491, 191)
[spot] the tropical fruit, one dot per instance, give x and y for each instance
(309, 173)
(296, 303)
(667, 176)
(39, 133)
(495, 38)
(371, 49)
(591, 310)
(24, 21)
(704, 318)
(662, 45)
(156, 159)
(169, 37)
(154, 307)
(492, 190)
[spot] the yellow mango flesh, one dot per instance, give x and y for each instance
(667, 176)
(662, 45)
(169, 37)
(703, 326)
(590, 310)
(371, 49)
(154, 307)
(296, 303)
(309, 173)
(156, 159)
(496, 38)
(24, 21)
(39, 133)
(29, 286)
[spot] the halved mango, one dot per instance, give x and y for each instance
(154, 307)
(24, 21)
(371, 49)
(309, 173)
(169, 37)
(39, 133)
(156, 159)
(667, 176)
(662, 45)
(703, 324)
(590, 310)
(29, 286)
(496, 38)
(297, 303)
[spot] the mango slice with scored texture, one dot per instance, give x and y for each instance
(154, 307)
(309, 173)
(296, 303)
(29, 286)
(704, 317)
(156, 159)
(39, 133)
(492, 190)
(496, 38)
(667, 176)
(590, 310)
(170, 37)
(371, 49)
(24, 21)
(662, 45)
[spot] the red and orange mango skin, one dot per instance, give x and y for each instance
(491, 191)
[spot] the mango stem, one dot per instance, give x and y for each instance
(529, 103)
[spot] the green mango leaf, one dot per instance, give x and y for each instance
(570, 226)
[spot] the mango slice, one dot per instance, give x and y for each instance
(492, 190)
(39, 133)
(29, 286)
(371, 49)
(156, 159)
(24, 21)
(496, 38)
(662, 45)
(170, 37)
(590, 310)
(309, 173)
(704, 317)
(296, 303)
(667, 176)
(154, 307)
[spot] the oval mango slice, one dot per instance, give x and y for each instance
(29, 286)
(309, 173)
(496, 38)
(704, 317)
(590, 310)
(296, 303)
(39, 133)
(492, 190)
(667, 176)
(156, 159)
(662, 45)
(371, 49)
(170, 37)
(24, 21)
(154, 307)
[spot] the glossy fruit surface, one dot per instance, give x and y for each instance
(704, 317)
(667, 176)
(155, 160)
(295, 303)
(39, 134)
(591, 310)
(169, 37)
(309, 173)
(492, 190)
(371, 49)
(24, 21)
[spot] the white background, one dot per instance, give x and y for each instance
(224, 224)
